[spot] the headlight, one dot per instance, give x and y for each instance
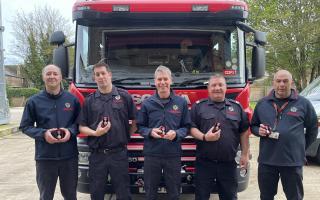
(84, 158)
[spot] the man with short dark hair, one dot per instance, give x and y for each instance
(50, 118)
(220, 125)
(105, 119)
(286, 124)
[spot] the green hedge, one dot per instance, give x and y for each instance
(21, 92)
(252, 105)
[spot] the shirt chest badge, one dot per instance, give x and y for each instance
(231, 111)
(293, 111)
(117, 99)
(175, 109)
(67, 106)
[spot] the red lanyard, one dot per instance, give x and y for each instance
(278, 112)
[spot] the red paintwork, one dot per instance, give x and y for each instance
(160, 5)
(139, 147)
(193, 95)
(132, 170)
(190, 169)
(183, 158)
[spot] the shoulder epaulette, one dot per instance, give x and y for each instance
(234, 101)
(201, 101)
(122, 91)
(90, 94)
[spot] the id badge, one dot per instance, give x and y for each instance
(274, 135)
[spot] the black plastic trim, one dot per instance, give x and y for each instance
(194, 19)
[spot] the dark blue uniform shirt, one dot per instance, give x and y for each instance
(119, 107)
(289, 149)
(173, 115)
(233, 121)
(45, 111)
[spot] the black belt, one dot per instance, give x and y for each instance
(109, 150)
(216, 161)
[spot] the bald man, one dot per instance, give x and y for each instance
(286, 124)
(49, 118)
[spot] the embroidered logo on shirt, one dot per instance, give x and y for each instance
(231, 111)
(117, 99)
(175, 107)
(67, 107)
(293, 111)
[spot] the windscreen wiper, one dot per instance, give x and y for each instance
(184, 83)
(121, 80)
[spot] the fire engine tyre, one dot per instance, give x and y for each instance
(83, 188)
(317, 157)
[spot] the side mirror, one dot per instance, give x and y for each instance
(60, 54)
(258, 62)
(57, 38)
(260, 38)
(60, 58)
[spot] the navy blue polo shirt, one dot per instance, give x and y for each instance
(119, 107)
(233, 121)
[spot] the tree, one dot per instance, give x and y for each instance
(32, 33)
(293, 28)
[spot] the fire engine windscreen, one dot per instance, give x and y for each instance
(134, 54)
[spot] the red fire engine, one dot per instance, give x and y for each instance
(192, 37)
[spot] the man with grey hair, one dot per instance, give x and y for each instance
(50, 119)
(163, 121)
(286, 124)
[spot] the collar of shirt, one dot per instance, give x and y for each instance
(114, 92)
(53, 96)
(157, 99)
(219, 105)
(170, 96)
(293, 96)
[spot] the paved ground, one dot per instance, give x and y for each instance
(12, 127)
(17, 171)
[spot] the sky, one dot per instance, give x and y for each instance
(10, 7)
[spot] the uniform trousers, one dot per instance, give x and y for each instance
(157, 167)
(115, 164)
(47, 173)
(291, 179)
(215, 175)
